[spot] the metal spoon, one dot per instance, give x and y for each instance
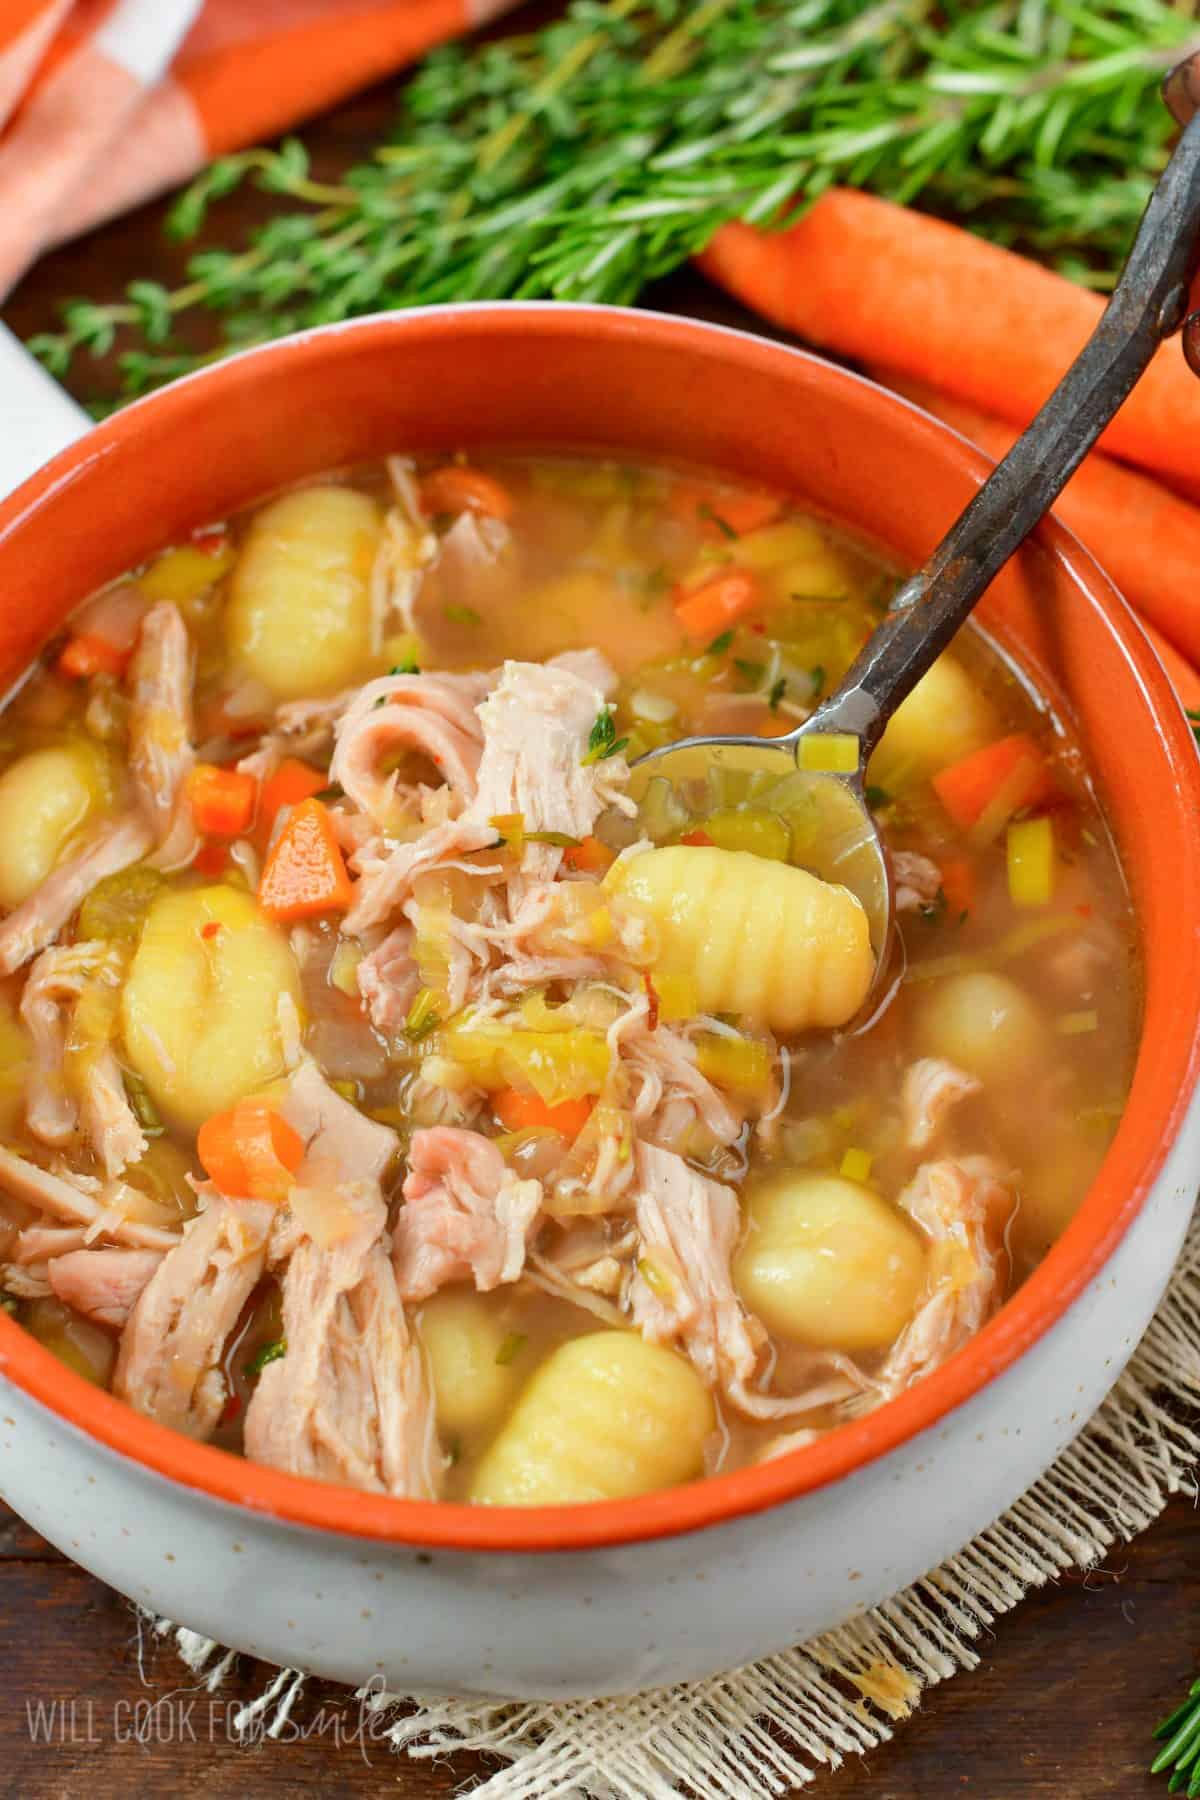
(841, 841)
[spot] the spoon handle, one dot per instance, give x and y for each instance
(1148, 304)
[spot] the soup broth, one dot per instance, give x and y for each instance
(385, 1096)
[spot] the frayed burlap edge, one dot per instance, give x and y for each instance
(773, 1726)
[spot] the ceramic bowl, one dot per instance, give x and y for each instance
(617, 1596)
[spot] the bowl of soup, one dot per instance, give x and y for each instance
(469, 1217)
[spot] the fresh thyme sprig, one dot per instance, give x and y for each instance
(585, 159)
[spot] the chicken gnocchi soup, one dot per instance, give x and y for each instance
(386, 1096)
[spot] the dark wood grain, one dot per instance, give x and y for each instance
(1062, 1706)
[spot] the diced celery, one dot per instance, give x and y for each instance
(116, 908)
(749, 828)
(557, 1065)
(743, 1064)
(829, 753)
(856, 1165)
(1030, 855)
(180, 574)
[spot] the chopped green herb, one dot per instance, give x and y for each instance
(408, 667)
(422, 1016)
(876, 797)
(1193, 717)
(778, 690)
(720, 645)
(705, 511)
(750, 672)
(603, 741)
(333, 792)
(462, 615)
(818, 681)
(268, 1354)
(144, 1109)
(511, 1348)
(934, 911)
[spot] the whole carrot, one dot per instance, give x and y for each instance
(1145, 537)
(879, 282)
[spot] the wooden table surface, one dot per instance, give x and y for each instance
(1063, 1704)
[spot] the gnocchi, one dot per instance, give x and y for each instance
(767, 941)
(200, 1008)
(944, 718)
(985, 1024)
(605, 1417)
(299, 615)
(46, 798)
(473, 1379)
(826, 1262)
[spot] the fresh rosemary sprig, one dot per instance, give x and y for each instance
(585, 159)
(1181, 1751)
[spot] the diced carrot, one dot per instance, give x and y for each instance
(721, 514)
(456, 489)
(967, 786)
(958, 885)
(89, 654)
(250, 1152)
(718, 603)
(222, 800)
(590, 856)
(700, 840)
(211, 859)
(292, 782)
(305, 873)
(519, 1112)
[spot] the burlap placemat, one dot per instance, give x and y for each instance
(777, 1724)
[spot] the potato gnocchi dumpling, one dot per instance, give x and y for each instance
(944, 718)
(762, 939)
(299, 616)
(201, 1007)
(986, 1024)
(46, 798)
(607, 1416)
(829, 1263)
(468, 1347)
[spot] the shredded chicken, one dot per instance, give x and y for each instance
(465, 1214)
(537, 722)
(108, 1210)
(962, 1208)
(103, 1285)
(336, 1135)
(388, 981)
(917, 880)
(169, 1365)
(349, 1401)
(932, 1089)
(60, 980)
(433, 715)
(38, 920)
(161, 755)
(682, 1290)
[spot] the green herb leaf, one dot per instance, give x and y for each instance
(328, 794)
(876, 797)
(750, 672)
(818, 681)
(723, 526)
(511, 1348)
(143, 1107)
(461, 615)
(720, 644)
(603, 741)
(778, 690)
(410, 667)
(422, 1016)
(269, 1353)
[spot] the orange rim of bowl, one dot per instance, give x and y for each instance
(1158, 1100)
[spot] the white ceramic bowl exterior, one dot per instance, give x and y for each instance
(550, 1625)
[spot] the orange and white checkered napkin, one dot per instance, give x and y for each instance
(106, 102)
